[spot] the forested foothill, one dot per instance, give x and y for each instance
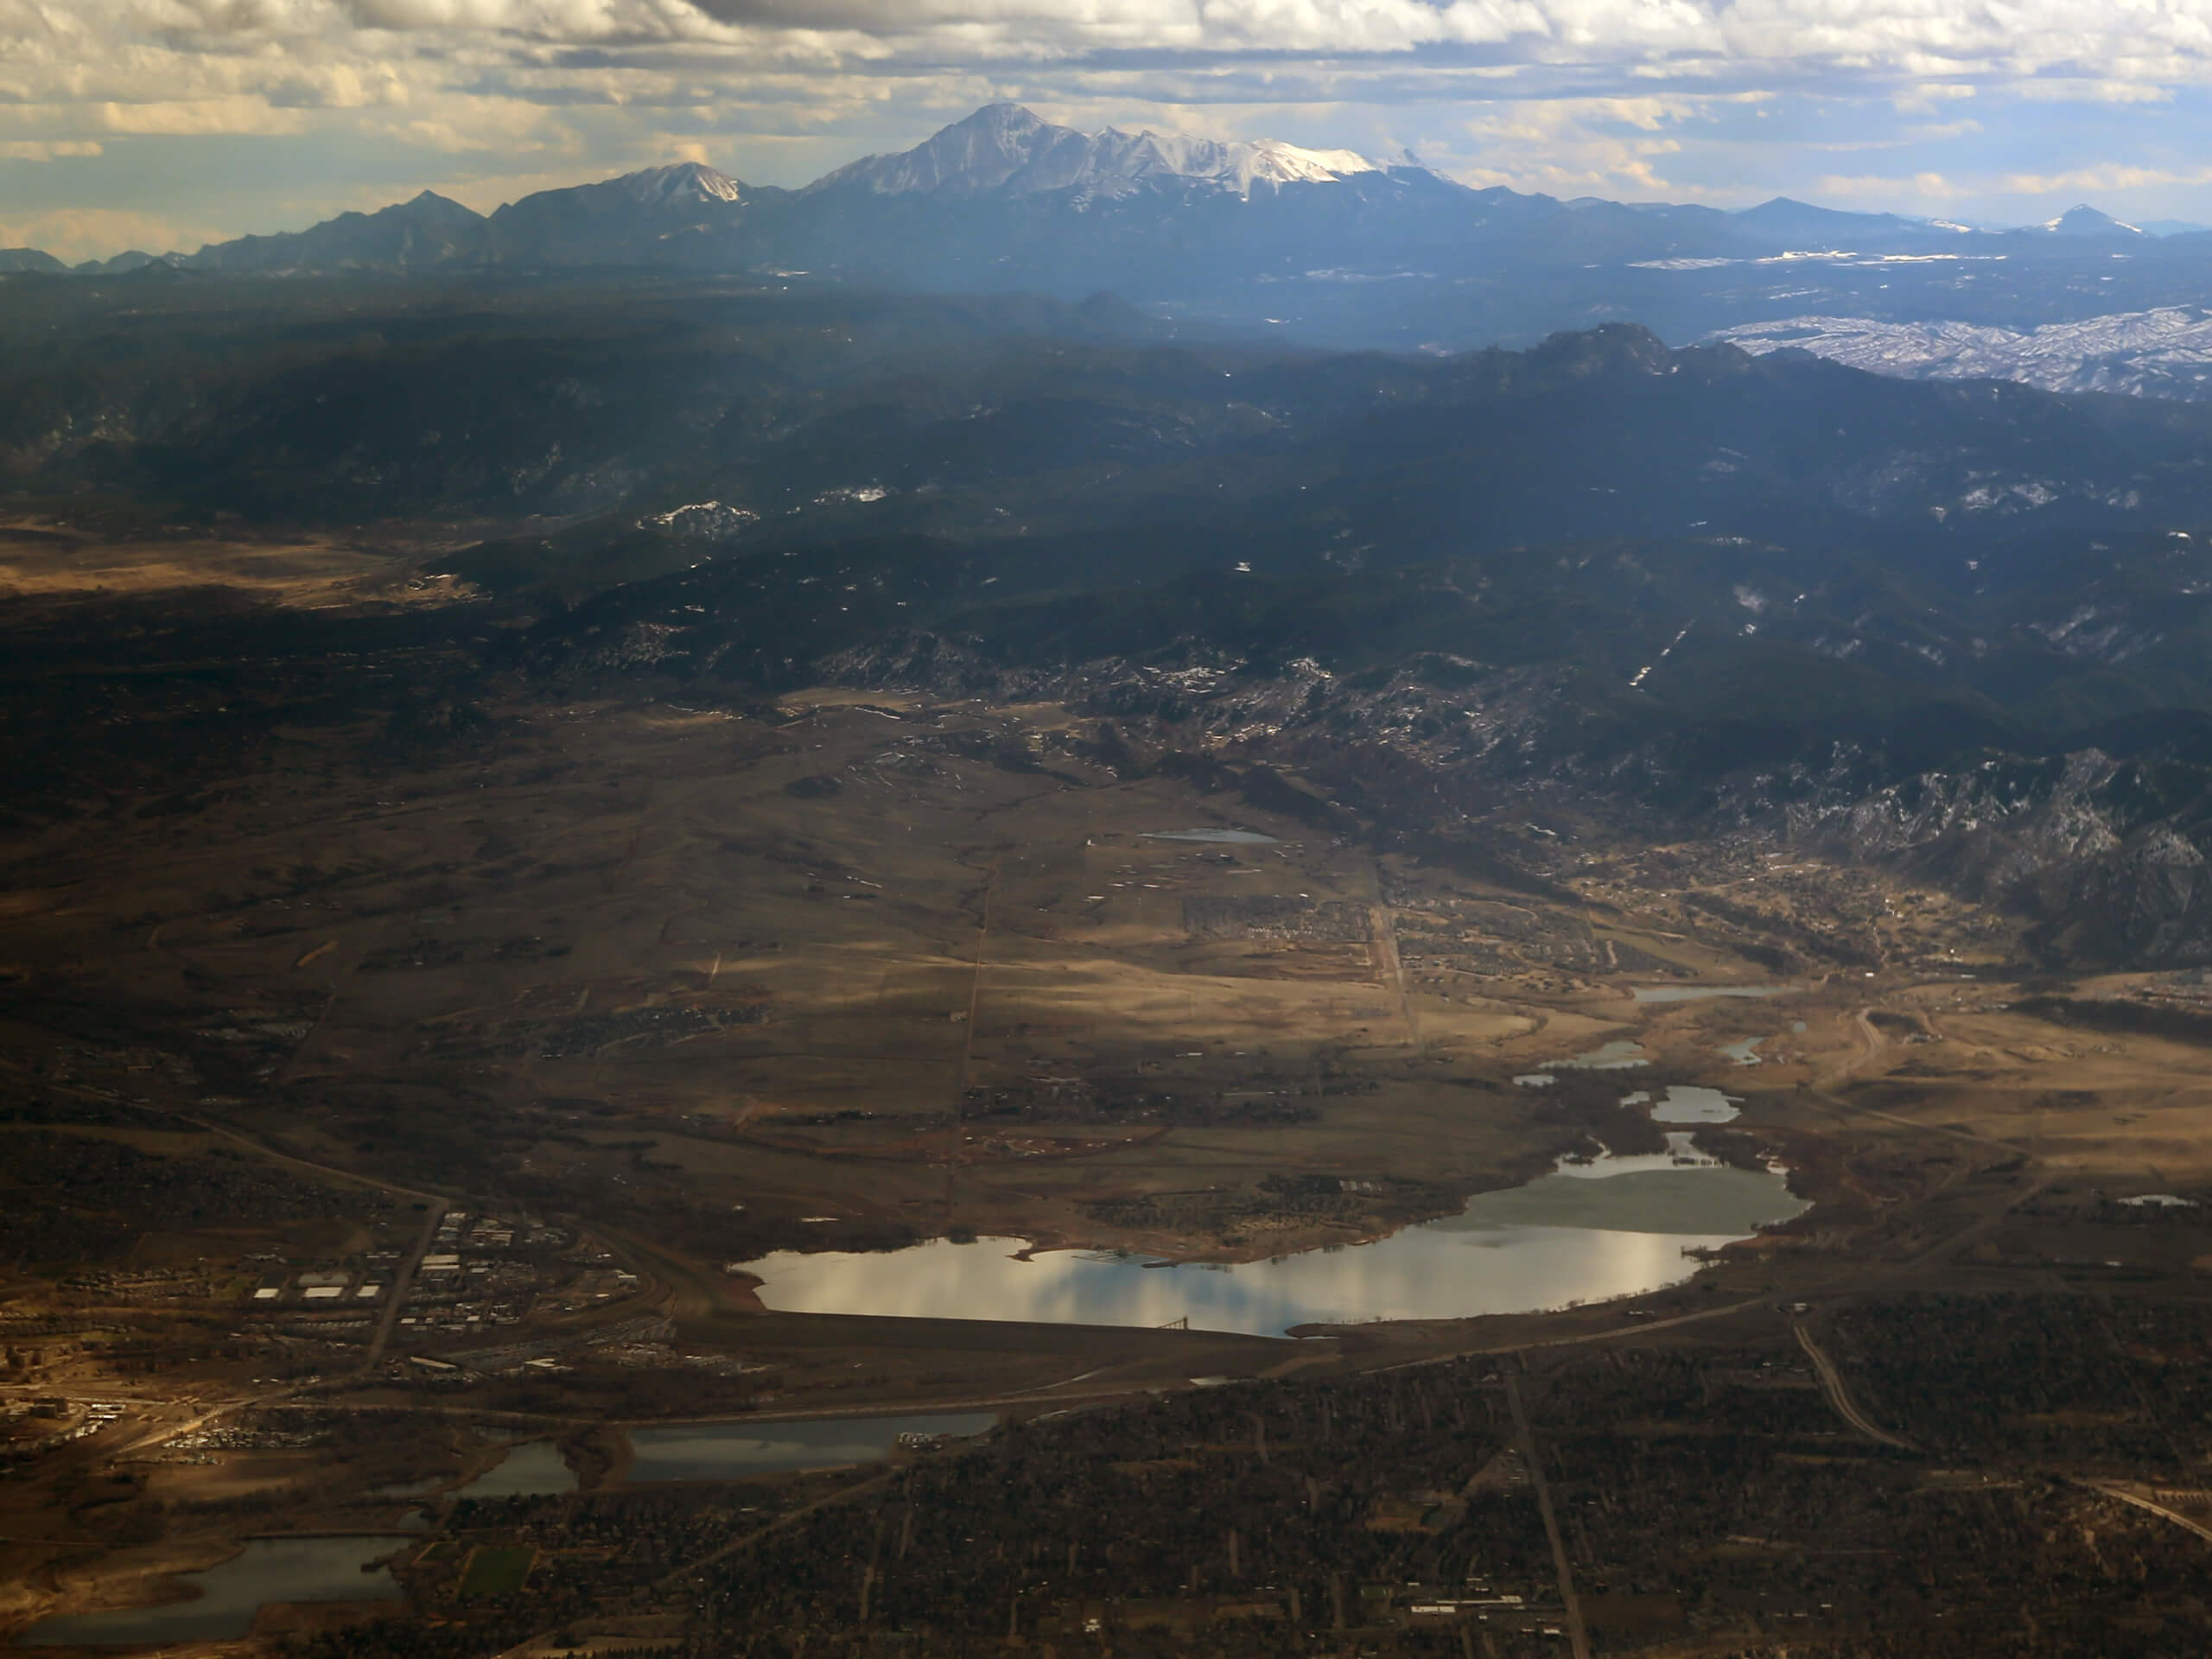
(574, 837)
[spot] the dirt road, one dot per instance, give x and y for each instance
(1839, 1395)
(2113, 1488)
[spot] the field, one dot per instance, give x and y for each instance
(495, 1572)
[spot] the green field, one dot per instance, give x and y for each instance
(498, 1571)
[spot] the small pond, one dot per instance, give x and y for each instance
(229, 1594)
(421, 1488)
(1619, 1055)
(731, 1451)
(1688, 1103)
(1618, 1226)
(1746, 1052)
(534, 1469)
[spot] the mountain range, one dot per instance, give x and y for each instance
(1326, 247)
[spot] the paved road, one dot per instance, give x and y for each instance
(402, 1282)
(1577, 1637)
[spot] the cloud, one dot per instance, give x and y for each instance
(1936, 190)
(2115, 44)
(1719, 100)
(2059, 89)
(1574, 147)
(340, 86)
(38, 149)
(178, 117)
(1921, 188)
(75, 234)
(2097, 181)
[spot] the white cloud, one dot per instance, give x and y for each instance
(1919, 187)
(1576, 147)
(2113, 44)
(39, 149)
(74, 233)
(180, 117)
(2054, 89)
(1645, 97)
(2097, 181)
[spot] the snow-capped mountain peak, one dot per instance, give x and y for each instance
(1238, 164)
(1004, 147)
(679, 181)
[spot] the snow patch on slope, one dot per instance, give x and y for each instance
(2163, 353)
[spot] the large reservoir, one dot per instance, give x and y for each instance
(1586, 1232)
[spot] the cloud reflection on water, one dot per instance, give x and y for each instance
(1587, 1233)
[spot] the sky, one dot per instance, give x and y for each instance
(168, 123)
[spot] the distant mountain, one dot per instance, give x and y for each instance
(122, 264)
(1803, 224)
(1004, 148)
(429, 231)
(1004, 199)
(2083, 221)
(682, 213)
(1329, 247)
